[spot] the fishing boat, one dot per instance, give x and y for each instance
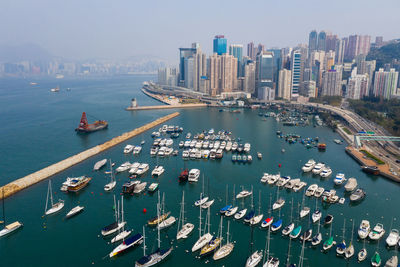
(206, 236)
(184, 229)
(308, 166)
(339, 179)
(158, 255)
(358, 195)
(54, 207)
(153, 187)
(9, 228)
(214, 243)
(78, 183)
(349, 251)
(393, 238)
(110, 186)
(85, 127)
(98, 165)
(139, 188)
(376, 259)
(364, 229)
(127, 243)
(350, 185)
(74, 211)
(224, 250)
(377, 232)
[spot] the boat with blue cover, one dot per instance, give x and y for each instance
(127, 243)
(225, 209)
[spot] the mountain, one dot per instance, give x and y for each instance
(29, 52)
(385, 54)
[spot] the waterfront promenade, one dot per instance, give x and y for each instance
(33, 178)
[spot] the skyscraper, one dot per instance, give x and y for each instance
(312, 41)
(249, 77)
(214, 73)
(322, 41)
(220, 45)
(228, 73)
(385, 83)
(236, 50)
(332, 81)
(265, 70)
(331, 42)
(284, 85)
(296, 73)
(260, 48)
(357, 45)
(183, 54)
(251, 51)
(189, 64)
(340, 51)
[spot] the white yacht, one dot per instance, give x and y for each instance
(244, 193)
(351, 185)
(254, 259)
(247, 147)
(54, 207)
(265, 177)
(239, 215)
(74, 211)
(393, 238)
(144, 167)
(137, 150)
(124, 167)
(153, 151)
(326, 172)
(339, 179)
(185, 154)
(290, 184)
(299, 186)
(311, 190)
(278, 204)
(377, 232)
(318, 168)
(166, 223)
(273, 178)
(128, 149)
(318, 193)
(158, 170)
(309, 166)
(194, 175)
(139, 188)
(282, 181)
(134, 167)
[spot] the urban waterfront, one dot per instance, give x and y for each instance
(38, 130)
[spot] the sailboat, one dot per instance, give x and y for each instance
(239, 215)
(128, 243)
(234, 208)
(214, 243)
(362, 254)
(160, 217)
(186, 228)
(124, 233)
(110, 186)
(158, 255)
(255, 256)
(316, 216)
(269, 261)
(8, 229)
(203, 199)
(270, 219)
(206, 237)
(341, 247)
(279, 201)
(316, 240)
(329, 242)
(257, 219)
(289, 228)
(169, 220)
(226, 249)
(349, 251)
(115, 226)
(275, 226)
(227, 206)
(55, 207)
(305, 210)
(251, 213)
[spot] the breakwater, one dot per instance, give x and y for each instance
(33, 178)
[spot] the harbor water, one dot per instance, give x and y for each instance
(38, 130)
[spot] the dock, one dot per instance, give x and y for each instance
(38, 176)
(384, 169)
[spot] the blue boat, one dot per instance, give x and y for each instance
(249, 215)
(233, 158)
(225, 209)
(276, 225)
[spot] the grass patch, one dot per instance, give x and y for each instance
(374, 158)
(346, 130)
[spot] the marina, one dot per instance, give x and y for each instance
(218, 173)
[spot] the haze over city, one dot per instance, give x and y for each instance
(119, 29)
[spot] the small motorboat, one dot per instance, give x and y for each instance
(244, 193)
(364, 229)
(358, 195)
(377, 232)
(393, 238)
(351, 185)
(339, 179)
(362, 254)
(99, 164)
(74, 211)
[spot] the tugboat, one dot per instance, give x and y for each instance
(85, 127)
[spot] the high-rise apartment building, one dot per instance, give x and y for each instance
(284, 84)
(332, 81)
(329, 60)
(251, 51)
(168, 76)
(249, 77)
(214, 73)
(312, 41)
(385, 83)
(357, 45)
(340, 50)
(321, 41)
(228, 73)
(357, 86)
(220, 44)
(331, 42)
(296, 73)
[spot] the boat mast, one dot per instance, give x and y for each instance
(352, 232)
(163, 203)
(259, 202)
(266, 250)
(291, 212)
(4, 213)
(122, 212)
(208, 220)
(51, 194)
(200, 220)
(252, 199)
(302, 254)
(344, 228)
(226, 195)
(47, 197)
(115, 210)
(227, 234)
(234, 197)
(288, 254)
(181, 216)
(144, 242)
(158, 228)
(270, 204)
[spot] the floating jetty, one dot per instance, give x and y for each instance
(33, 178)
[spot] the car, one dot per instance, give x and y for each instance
(397, 160)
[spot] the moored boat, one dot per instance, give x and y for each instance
(74, 211)
(98, 165)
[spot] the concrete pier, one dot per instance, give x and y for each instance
(24, 182)
(166, 107)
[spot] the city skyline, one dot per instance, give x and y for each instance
(79, 30)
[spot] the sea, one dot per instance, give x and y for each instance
(37, 129)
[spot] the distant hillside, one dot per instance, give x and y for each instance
(29, 52)
(385, 54)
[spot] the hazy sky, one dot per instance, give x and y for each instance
(122, 28)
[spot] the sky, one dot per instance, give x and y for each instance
(117, 29)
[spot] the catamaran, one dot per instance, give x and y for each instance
(186, 228)
(55, 207)
(8, 229)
